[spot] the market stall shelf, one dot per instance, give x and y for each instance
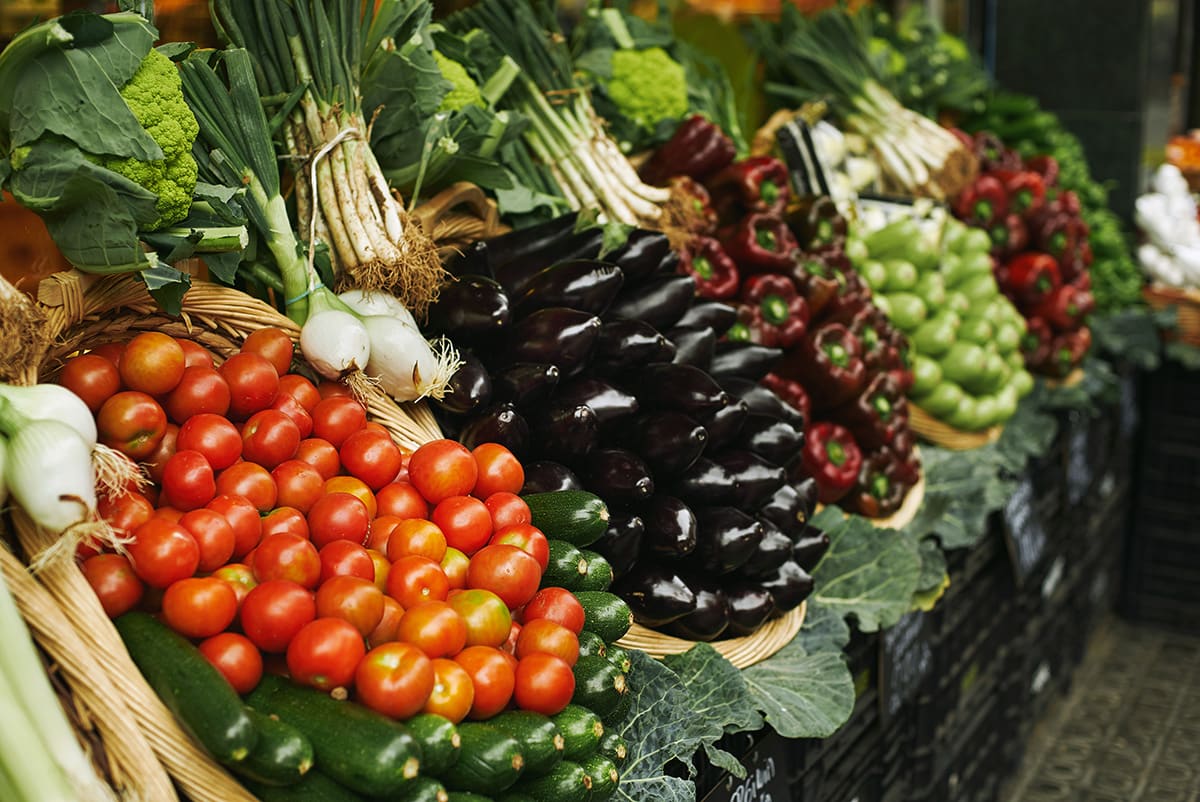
(742, 652)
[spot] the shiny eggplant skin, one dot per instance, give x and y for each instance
(786, 509)
(470, 387)
(669, 442)
(788, 585)
(670, 527)
(515, 275)
(705, 482)
(608, 403)
(617, 475)
(660, 301)
(656, 594)
(711, 314)
(641, 254)
(711, 616)
(621, 543)
(558, 336)
(755, 479)
(679, 387)
(525, 383)
(501, 424)
(546, 476)
(743, 360)
(806, 486)
(749, 607)
(668, 265)
(763, 401)
(630, 343)
(472, 309)
(725, 425)
(694, 345)
(533, 244)
(810, 547)
(586, 285)
(725, 539)
(773, 550)
(776, 441)
(563, 432)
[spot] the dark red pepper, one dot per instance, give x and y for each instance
(791, 392)
(1032, 277)
(1046, 167)
(1009, 235)
(992, 153)
(908, 464)
(817, 282)
(828, 362)
(715, 273)
(877, 414)
(823, 225)
(1068, 350)
(1036, 342)
(761, 243)
(1065, 308)
(778, 314)
(756, 184)
(697, 149)
(832, 458)
(982, 203)
(877, 491)
(1026, 192)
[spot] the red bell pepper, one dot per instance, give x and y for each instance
(790, 392)
(1046, 167)
(778, 315)
(714, 272)
(832, 458)
(993, 154)
(877, 414)
(1068, 350)
(1065, 308)
(1036, 342)
(982, 203)
(824, 225)
(1009, 235)
(761, 243)
(1032, 277)
(1026, 192)
(697, 149)
(828, 362)
(908, 464)
(878, 491)
(756, 184)
(817, 282)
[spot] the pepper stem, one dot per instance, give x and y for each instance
(765, 238)
(703, 268)
(880, 486)
(768, 191)
(837, 354)
(775, 310)
(738, 333)
(835, 452)
(882, 406)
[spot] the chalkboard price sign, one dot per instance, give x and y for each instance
(766, 775)
(1025, 533)
(905, 660)
(1079, 467)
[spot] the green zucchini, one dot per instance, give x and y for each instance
(359, 748)
(467, 796)
(575, 516)
(282, 756)
(599, 685)
(599, 574)
(439, 741)
(613, 747)
(567, 567)
(591, 644)
(489, 761)
(605, 614)
(603, 775)
(541, 743)
(191, 688)
(581, 731)
(315, 787)
(619, 657)
(567, 783)
(421, 789)
(515, 796)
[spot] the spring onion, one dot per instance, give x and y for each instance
(407, 365)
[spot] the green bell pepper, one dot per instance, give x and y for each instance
(991, 377)
(927, 375)
(974, 264)
(976, 330)
(1007, 338)
(935, 336)
(957, 303)
(963, 362)
(986, 410)
(966, 415)
(893, 239)
(932, 289)
(907, 311)
(873, 273)
(857, 251)
(976, 240)
(901, 275)
(980, 289)
(944, 399)
(923, 253)
(1022, 382)
(1006, 403)
(882, 304)
(953, 235)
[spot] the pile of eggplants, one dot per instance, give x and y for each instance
(606, 374)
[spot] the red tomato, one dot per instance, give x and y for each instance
(488, 619)
(92, 378)
(195, 355)
(543, 636)
(297, 484)
(163, 552)
(355, 487)
(273, 345)
(152, 363)
(330, 389)
(395, 679)
(491, 675)
(379, 532)
(510, 643)
(343, 558)
(527, 538)
(383, 567)
(373, 458)
(253, 384)
(325, 654)
(466, 522)
(301, 389)
(212, 534)
(269, 437)
(125, 512)
(238, 660)
(441, 469)
(243, 518)
(200, 606)
(240, 578)
(413, 580)
(321, 455)
(352, 599)
(214, 437)
(434, 628)
(287, 556)
(402, 500)
(274, 612)
(338, 516)
(558, 605)
(507, 571)
(453, 694)
(167, 446)
(188, 480)
(419, 537)
(544, 684)
(132, 423)
(110, 351)
(455, 564)
(385, 631)
(336, 418)
(169, 514)
(283, 520)
(115, 583)
(507, 509)
(201, 390)
(249, 480)
(295, 412)
(499, 470)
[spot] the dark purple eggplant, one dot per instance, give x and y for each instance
(621, 543)
(501, 424)
(609, 403)
(670, 527)
(525, 383)
(472, 309)
(810, 547)
(566, 433)
(725, 538)
(786, 509)
(806, 486)
(470, 387)
(743, 360)
(583, 284)
(656, 594)
(558, 336)
(537, 243)
(546, 476)
(725, 425)
(749, 607)
(705, 482)
(788, 585)
(668, 265)
(773, 550)
(515, 275)
(755, 479)
(660, 301)
(711, 314)
(694, 345)
(669, 442)
(763, 401)
(679, 387)
(776, 441)
(630, 343)
(473, 260)
(617, 475)
(711, 616)
(641, 254)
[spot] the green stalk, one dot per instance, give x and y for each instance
(12, 420)
(35, 777)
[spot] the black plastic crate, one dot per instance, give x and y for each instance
(1043, 664)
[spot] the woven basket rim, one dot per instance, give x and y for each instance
(946, 436)
(742, 652)
(909, 508)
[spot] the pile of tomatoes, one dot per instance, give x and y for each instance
(283, 526)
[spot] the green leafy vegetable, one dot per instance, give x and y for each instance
(719, 698)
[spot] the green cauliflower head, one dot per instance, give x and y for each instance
(155, 96)
(465, 91)
(648, 86)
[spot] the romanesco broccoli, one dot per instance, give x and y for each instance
(465, 91)
(648, 86)
(155, 96)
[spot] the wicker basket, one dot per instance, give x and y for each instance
(908, 509)
(1187, 304)
(945, 435)
(457, 216)
(742, 652)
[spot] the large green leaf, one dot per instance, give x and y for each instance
(956, 483)
(933, 565)
(719, 698)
